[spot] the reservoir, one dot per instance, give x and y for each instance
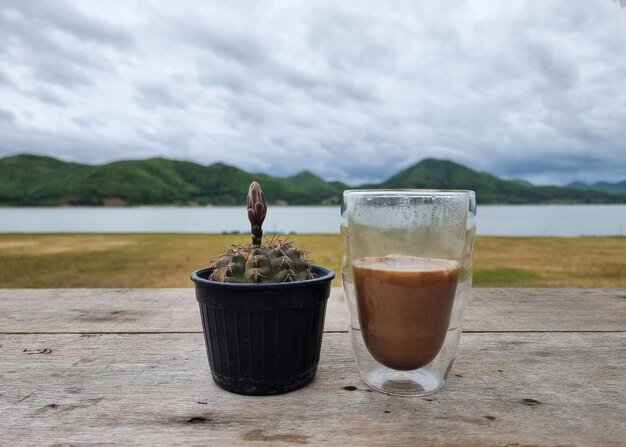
(492, 220)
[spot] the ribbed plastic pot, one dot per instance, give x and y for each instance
(263, 338)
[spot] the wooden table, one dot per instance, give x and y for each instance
(111, 366)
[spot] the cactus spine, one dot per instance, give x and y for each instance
(274, 261)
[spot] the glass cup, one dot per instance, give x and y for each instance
(407, 274)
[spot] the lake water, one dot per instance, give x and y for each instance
(493, 220)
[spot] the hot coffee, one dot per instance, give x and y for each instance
(404, 307)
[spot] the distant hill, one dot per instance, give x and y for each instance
(31, 180)
(444, 174)
(522, 182)
(21, 174)
(615, 188)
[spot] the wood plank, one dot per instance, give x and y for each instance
(526, 309)
(175, 310)
(517, 389)
(118, 311)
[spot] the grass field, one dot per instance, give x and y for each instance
(158, 260)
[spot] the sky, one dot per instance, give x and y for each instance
(351, 91)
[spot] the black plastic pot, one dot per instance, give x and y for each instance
(263, 338)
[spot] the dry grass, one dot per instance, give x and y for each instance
(550, 262)
(154, 260)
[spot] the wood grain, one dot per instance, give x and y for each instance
(118, 311)
(516, 389)
(546, 310)
(176, 310)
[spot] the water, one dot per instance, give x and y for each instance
(493, 220)
(551, 220)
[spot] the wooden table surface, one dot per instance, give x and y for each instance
(128, 366)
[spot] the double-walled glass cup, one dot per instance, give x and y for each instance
(407, 274)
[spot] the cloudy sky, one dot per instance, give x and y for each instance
(353, 91)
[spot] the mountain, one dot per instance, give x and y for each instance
(522, 182)
(31, 180)
(21, 173)
(444, 174)
(312, 183)
(34, 180)
(615, 188)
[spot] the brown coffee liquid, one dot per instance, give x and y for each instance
(404, 306)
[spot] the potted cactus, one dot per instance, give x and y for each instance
(262, 307)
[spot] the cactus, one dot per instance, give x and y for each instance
(274, 261)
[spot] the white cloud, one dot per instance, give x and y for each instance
(350, 91)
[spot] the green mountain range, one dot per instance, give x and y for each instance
(616, 188)
(32, 180)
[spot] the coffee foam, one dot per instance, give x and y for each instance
(406, 263)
